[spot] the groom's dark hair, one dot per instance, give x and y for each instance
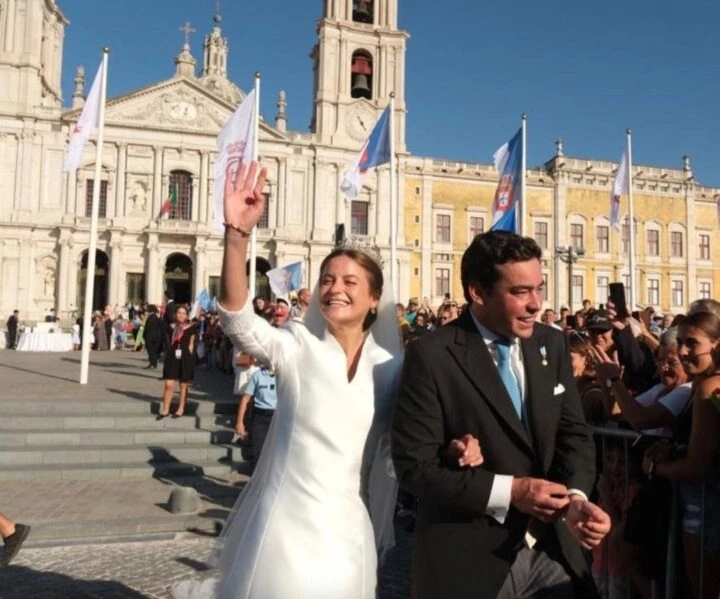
(490, 250)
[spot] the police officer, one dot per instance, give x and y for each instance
(261, 390)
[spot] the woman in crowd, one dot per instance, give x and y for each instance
(179, 363)
(99, 332)
(320, 503)
(693, 461)
(591, 392)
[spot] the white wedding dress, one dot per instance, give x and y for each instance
(319, 507)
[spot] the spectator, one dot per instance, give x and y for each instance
(705, 305)
(170, 307)
(119, 327)
(591, 391)
(12, 328)
(300, 308)
(587, 306)
(280, 314)
(413, 307)
(446, 316)
(13, 536)
(259, 305)
(667, 322)
(694, 464)
(549, 317)
(564, 313)
(419, 328)
(261, 391)
(152, 335)
(179, 362)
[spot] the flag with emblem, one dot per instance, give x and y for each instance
(508, 164)
(285, 279)
(89, 121)
(171, 202)
(619, 189)
(375, 152)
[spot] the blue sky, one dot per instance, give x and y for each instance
(583, 71)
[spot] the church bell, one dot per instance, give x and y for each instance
(362, 12)
(361, 87)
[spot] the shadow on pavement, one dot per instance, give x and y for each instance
(39, 373)
(20, 582)
(194, 564)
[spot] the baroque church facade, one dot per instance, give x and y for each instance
(163, 137)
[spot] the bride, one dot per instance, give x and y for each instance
(319, 507)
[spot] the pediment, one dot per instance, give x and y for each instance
(178, 104)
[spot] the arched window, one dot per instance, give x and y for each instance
(361, 80)
(363, 11)
(180, 195)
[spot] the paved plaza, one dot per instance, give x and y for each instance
(114, 537)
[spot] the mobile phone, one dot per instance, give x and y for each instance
(617, 296)
(571, 321)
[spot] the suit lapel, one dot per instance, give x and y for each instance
(473, 357)
(539, 389)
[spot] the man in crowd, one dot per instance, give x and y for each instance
(549, 317)
(516, 526)
(12, 328)
(412, 309)
(302, 304)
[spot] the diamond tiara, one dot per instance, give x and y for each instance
(359, 244)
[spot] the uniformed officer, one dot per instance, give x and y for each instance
(261, 390)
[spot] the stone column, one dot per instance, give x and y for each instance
(426, 241)
(282, 195)
(120, 181)
(560, 235)
(157, 182)
(204, 186)
(115, 271)
(199, 278)
(63, 276)
(153, 291)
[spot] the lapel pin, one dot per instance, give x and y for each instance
(543, 353)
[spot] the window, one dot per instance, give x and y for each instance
(576, 236)
(102, 204)
(477, 226)
(442, 281)
(704, 290)
(653, 292)
(602, 242)
(653, 243)
(358, 218)
(704, 247)
(678, 293)
(602, 289)
(676, 244)
(263, 222)
(214, 287)
(541, 235)
(626, 283)
(442, 228)
(181, 186)
(626, 238)
(578, 292)
(135, 287)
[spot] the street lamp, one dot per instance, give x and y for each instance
(569, 255)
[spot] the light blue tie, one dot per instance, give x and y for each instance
(511, 384)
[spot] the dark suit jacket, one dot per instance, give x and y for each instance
(450, 387)
(153, 332)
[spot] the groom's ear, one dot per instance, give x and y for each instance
(477, 293)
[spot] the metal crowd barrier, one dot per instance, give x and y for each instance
(660, 589)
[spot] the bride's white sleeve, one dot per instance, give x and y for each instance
(382, 496)
(255, 336)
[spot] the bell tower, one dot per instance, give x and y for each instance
(358, 61)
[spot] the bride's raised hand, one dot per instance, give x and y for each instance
(243, 202)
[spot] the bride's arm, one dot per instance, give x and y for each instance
(243, 206)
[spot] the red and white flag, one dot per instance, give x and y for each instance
(236, 142)
(620, 188)
(89, 121)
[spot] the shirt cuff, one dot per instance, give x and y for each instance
(578, 492)
(500, 494)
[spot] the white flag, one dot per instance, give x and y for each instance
(619, 189)
(236, 142)
(89, 121)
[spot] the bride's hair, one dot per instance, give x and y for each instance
(375, 276)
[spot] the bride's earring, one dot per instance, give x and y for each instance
(373, 311)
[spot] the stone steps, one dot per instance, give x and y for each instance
(108, 438)
(127, 406)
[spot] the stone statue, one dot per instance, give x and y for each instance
(49, 283)
(138, 195)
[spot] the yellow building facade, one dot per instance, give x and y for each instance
(568, 205)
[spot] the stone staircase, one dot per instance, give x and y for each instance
(120, 438)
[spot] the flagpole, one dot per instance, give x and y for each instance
(90, 277)
(253, 237)
(523, 176)
(631, 229)
(393, 203)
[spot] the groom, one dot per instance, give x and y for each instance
(516, 526)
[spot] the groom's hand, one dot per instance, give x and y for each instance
(587, 522)
(537, 497)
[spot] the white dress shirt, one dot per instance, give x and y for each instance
(501, 491)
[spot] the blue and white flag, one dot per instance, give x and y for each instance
(285, 279)
(620, 188)
(508, 163)
(375, 152)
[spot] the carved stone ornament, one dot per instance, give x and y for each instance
(138, 197)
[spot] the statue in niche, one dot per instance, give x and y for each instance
(49, 280)
(138, 195)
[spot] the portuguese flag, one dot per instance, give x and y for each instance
(172, 200)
